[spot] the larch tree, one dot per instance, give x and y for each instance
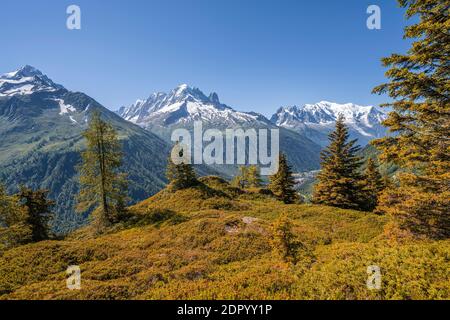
(282, 183)
(14, 229)
(339, 181)
(103, 186)
(419, 119)
(249, 176)
(284, 242)
(373, 184)
(254, 176)
(241, 179)
(38, 212)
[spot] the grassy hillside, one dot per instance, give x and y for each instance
(213, 242)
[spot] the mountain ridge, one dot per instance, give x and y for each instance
(188, 104)
(317, 120)
(185, 104)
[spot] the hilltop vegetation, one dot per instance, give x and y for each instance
(213, 241)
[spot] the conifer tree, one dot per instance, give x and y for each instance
(282, 183)
(248, 177)
(180, 175)
(14, 229)
(38, 212)
(420, 118)
(373, 185)
(339, 181)
(102, 185)
(237, 182)
(284, 242)
(254, 176)
(241, 179)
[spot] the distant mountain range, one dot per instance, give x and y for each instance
(316, 121)
(184, 105)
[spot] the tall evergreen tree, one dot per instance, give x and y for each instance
(180, 175)
(339, 181)
(102, 185)
(420, 118)
(14, 229)
(38, 212)
(282, 183)
(373, 185)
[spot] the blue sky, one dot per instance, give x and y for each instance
(256, 54)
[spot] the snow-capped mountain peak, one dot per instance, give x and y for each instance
(213, 97)
(325, 112)
(16, 87)
(183, 105)
(24, 81)
(186, 93)
(317, 120)
(25, 71)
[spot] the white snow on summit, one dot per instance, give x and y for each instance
(24, 81)
(317, 120)
(29, 80)
(183, 105)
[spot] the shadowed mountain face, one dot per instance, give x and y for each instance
(316, 121)
(161, 113)
(40, 127)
